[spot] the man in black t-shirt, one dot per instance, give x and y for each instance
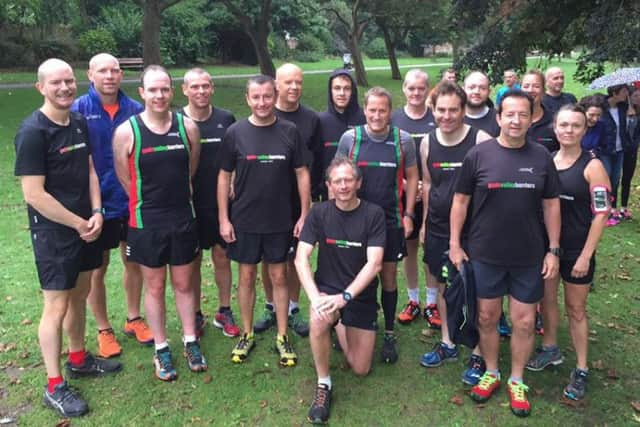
(62, 192)
(479, 113)
(264, 152)
(212, 122)
(509, 183)
(288, 107)
(554, 97)
(350, 234)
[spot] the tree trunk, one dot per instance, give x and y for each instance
(259, 41)
(391, 51)
(151, 32)
(358, 64)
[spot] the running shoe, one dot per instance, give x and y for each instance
(108, 345)
(475, 370)
(319, 410)
(432, 315)
(195, 359)
(539, 323)
(577, 386)
(545, 357)
(163, 365)
(389, 353)
(224, 320)
(485, 388)
(265, 322)
(201, 322)
(625, 215)
(297, 323)
(288, 357)
(503, 326)
(139, 329)
(614, 219)
(242, 349)
(519, 402)
(65, 401)
(92, 367)
(409, 313)
(440, 353)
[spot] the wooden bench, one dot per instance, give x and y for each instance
(136, 63)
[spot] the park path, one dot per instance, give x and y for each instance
(241, 76)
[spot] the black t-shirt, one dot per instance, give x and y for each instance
(507, 186)
(553, 103)
(575, 205)
(418, 129)
(487, 123)
(263, 158)
(206, 178)
(159, 167)
(61, 155)
(343, 238)
(443, 163)
(541, 132)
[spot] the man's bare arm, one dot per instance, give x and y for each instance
(193, 133)
(122, 147)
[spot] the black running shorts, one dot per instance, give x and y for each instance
(155, 248)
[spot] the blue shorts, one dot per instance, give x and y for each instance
(525, 284)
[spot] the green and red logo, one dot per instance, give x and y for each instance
(500, 185)
(446, 165)
(159, 148)
(70, 148)
(331, 144)
(364, 164)
(264, 158)
(342, 243)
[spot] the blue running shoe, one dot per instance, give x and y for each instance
(163, 365)
(440, 353)
(475, 370)
(503, 326)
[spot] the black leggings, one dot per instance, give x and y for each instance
(628, 168)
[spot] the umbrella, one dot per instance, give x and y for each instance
(621, 76)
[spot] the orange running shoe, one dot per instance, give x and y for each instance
(108, 345)
(409, 313)
(139, 329)
(432, 315)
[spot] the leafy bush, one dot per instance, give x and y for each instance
(307, 56)
(12, 54)
(96, 41)
(184, 37)
(124, 22)
(278, 46)
(376, 49)
(310, 43)
(44, 49)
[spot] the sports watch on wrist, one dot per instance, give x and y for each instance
(98, 210)
(556, 251)
(346, 296)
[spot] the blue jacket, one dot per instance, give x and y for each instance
(611, 129)
(101, 129)
(594, 140)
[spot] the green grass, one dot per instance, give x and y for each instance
(261, 393)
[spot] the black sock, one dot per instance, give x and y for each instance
(199, 313)
(223, 309)
(389, 303)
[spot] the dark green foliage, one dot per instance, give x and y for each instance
(124, 22)
(376, 49)
(98, 40)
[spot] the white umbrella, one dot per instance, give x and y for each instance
(621, 76)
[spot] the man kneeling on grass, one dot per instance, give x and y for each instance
(350, 234)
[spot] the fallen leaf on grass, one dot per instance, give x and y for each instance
(481, 405)
(456, 400)
(612, 374)
(207, 379)
(24, 355)
(593, 332)
(7, 347)
(538, 392)
(635, 404)
(428, 332)
(26, 322)
(65, 422)
(623, 277)
(636, 418)
(575, 404)
(263, 403)
(611, 325)
(597, 364)
(593, 339)
(8, 298)
(140, 366)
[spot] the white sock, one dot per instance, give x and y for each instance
(414, 295)
(432, 296)
(162, 345)
(292, 306)
(325, 380)
(188, 338)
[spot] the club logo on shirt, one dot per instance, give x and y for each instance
(567, 197)
(446, 166)
(209, 140)
(73, 147)
(418, 135)
(331, 144)
(220, 126)
(530, 170)
(160, 148)
(265, 158)
(500, 185)
(173, 134)
(363, 164)
(343, 243)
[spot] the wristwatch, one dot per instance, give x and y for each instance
(346, 296)
(556, 251)
(410, 215)
(98, 210)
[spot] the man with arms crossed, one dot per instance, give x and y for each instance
(508, 182)
(156, 154)
(212, 122)
(350, 234)
(387, 156)
(263, 151)
(62, 192)
(288, 107)
(105, 107)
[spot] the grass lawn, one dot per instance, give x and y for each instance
(259, 392)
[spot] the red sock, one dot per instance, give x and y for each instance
(53, 382)
(77, 357)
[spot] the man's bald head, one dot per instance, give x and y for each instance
(106, 76)
(286, 69)
(101, 59)
(554, 80)
(51, 65)
(196, 73)
(289, 86)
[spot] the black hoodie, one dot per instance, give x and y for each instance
(332, 125)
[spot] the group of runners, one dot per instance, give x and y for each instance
(505, 188)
